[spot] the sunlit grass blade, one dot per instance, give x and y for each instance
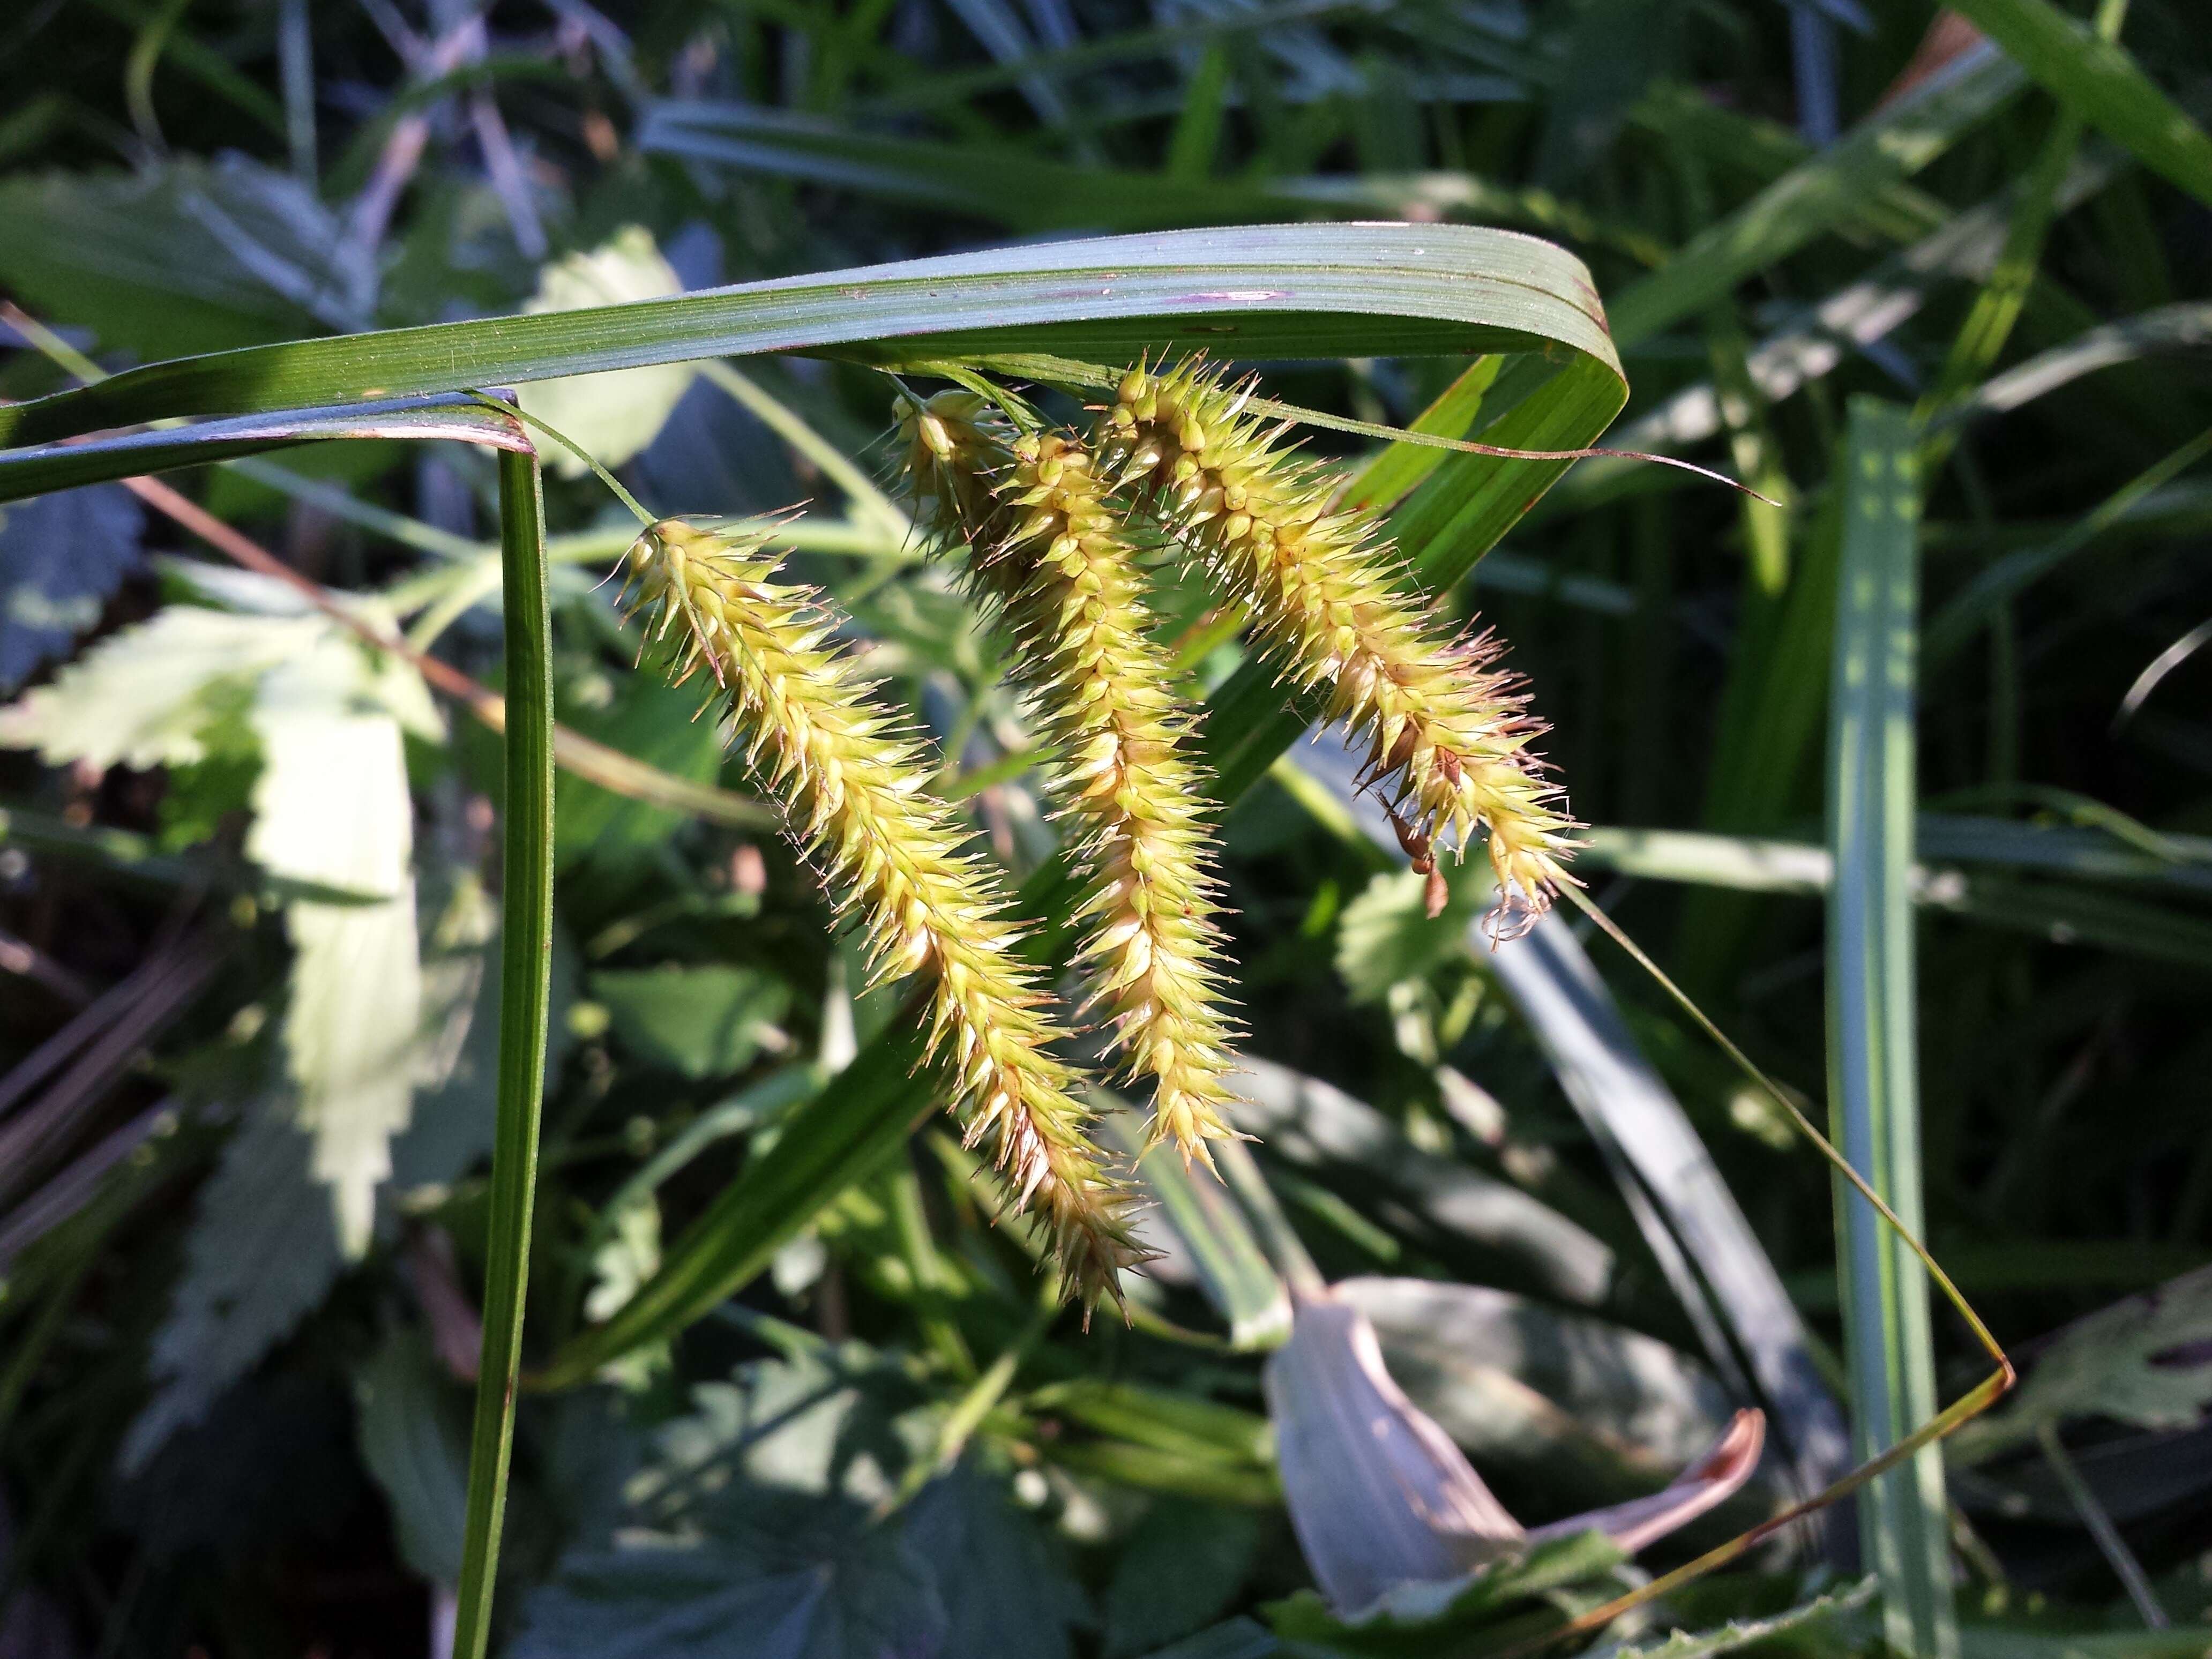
(1873, 1052)
(2101, 83)
(1267, 290)
(525, 969)
(1232, 1268)
(34, 471)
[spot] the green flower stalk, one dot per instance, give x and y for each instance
(852, 786)
(1051, 550)
(1447, 730)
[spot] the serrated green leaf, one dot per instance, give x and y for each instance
(143, 696)
(701, 1021)
(2144, 1361)
(263, 1251)
(1004, 1579)
(1181, 1567)
(1491, 1609)
(184, 256)
(1386, 935)
(792, 1579)
(331, 805)
(60, 559)
(1739, 1633)
(408, 1422)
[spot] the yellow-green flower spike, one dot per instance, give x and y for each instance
(1049, 548)
(853, 786)
(1447, 730)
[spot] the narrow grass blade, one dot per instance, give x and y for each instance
(1967, 611)
(2101, 83)
(2184, 326)
(525, 969)
(1981, 339)
(65, 467)
(1872, 1055)
(1820, 195)
(1263, 290)
(1232, 1267)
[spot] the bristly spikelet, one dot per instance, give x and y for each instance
(852, 784)
(1049, 549)
(1447, 730)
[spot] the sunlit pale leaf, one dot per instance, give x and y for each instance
(143, 696)
(331, 805)
(612, 415)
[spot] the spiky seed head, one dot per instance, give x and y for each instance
(1447, 730)
(1047, 546)
(894, 859)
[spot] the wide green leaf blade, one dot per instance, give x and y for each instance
(1873, 1054)
(1257, 291)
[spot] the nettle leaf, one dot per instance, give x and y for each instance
(613, 415)
(820, 1423)
(752, 1535)
(332, 806)
(788, 1578)
(702, 1022)
(1387, 935)
(61, 557)
(1182, 1566)
(2146, 1361)
(263, 1251)
(1496, 1609)
(185, 256)
(411, 1423)
(146, 696)
(1004, 1579)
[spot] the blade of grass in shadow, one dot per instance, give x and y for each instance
(1981, 339)
(1680, 1200)
(1893, 143)
(1873, 1053)
(525, 973)
(2100, 82)
(1819, 337)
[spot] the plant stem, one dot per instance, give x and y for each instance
(525, 967)
(2109, 1542)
